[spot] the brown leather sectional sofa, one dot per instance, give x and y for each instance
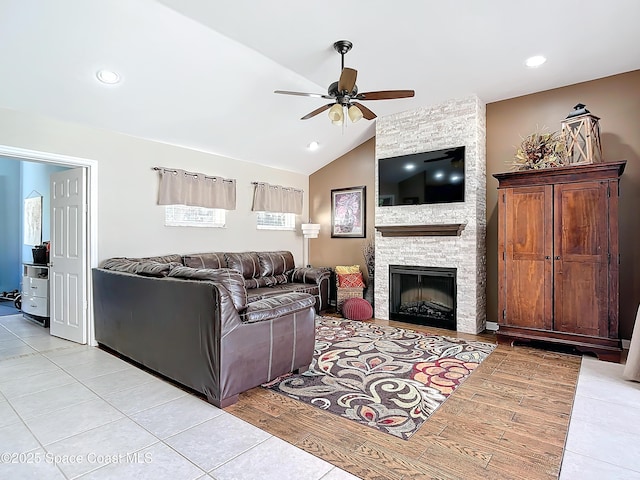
(218, 323)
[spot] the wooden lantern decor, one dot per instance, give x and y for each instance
(581, 133)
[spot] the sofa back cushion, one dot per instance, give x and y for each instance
(146, 267)
(230, 279)
(276, 265)
(205, 260)
(121, 264)
(173, 258)
(150, 268)
(248, 264)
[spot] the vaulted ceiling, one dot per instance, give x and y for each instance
(201, 74)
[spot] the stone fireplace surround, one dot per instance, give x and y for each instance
(413, 241)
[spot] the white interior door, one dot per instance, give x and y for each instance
(67, 272)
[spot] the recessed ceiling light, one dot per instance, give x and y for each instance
(535, 61)
(438, 175)
(409, 166)
(108, 76)
(313, 146)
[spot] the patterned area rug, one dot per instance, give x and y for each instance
(383, 377)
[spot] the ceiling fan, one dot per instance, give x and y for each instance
(345, 95)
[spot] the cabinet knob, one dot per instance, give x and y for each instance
(547, 257)
(558, 257)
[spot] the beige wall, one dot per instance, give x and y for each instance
(351, 170)
(616, 100)
(129, 221)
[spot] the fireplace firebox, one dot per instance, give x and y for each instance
(423, 295)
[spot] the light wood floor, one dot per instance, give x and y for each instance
(508, 420)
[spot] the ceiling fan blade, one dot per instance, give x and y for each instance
(301, 94)
(366, 113)
(385, 95)
(347, 80)
(317, 111)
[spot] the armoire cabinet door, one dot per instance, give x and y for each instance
(528, 276)
(581, 258)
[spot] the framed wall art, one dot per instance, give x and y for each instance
(33, 220)
(348, 217)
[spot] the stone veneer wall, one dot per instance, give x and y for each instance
(451, 124)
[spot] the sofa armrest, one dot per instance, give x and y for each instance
(314, 276)
(309, 275)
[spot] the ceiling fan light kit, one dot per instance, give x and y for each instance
(355, 113)
(335, 113)
(344, 92)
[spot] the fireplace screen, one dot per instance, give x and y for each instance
(424, 295)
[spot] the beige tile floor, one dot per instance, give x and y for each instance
(604, 434)
(71, 411)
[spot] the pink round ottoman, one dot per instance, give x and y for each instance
(357, 309)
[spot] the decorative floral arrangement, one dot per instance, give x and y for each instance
(540, 150)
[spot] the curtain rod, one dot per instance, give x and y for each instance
(286, 188)
(193, 174)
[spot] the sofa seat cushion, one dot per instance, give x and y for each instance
(255, 294)
(231, 280)
(277, 306)
(205, 260)
(311, 289)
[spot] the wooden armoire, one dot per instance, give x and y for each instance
(558, 257)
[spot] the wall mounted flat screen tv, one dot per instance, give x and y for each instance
(422, 178)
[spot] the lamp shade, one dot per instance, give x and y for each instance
(355, 113)
(335, 113)
(310, 230)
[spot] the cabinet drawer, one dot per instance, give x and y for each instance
(36, 305)
(35, 287)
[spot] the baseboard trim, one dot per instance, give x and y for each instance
(492, 326)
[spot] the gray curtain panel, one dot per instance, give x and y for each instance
(178, 187)
(632, 368)
(275, 198)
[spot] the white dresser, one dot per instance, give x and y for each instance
(35, 293)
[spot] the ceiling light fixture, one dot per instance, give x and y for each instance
(409, 166)
(535, 61)
(108, 76)
(335, 114)
(313, 146)
(355, 113)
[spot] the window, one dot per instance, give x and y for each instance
(276, 221)
(184, 216)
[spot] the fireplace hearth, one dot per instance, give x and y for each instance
(423, 295)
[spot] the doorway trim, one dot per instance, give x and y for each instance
(92, 211)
